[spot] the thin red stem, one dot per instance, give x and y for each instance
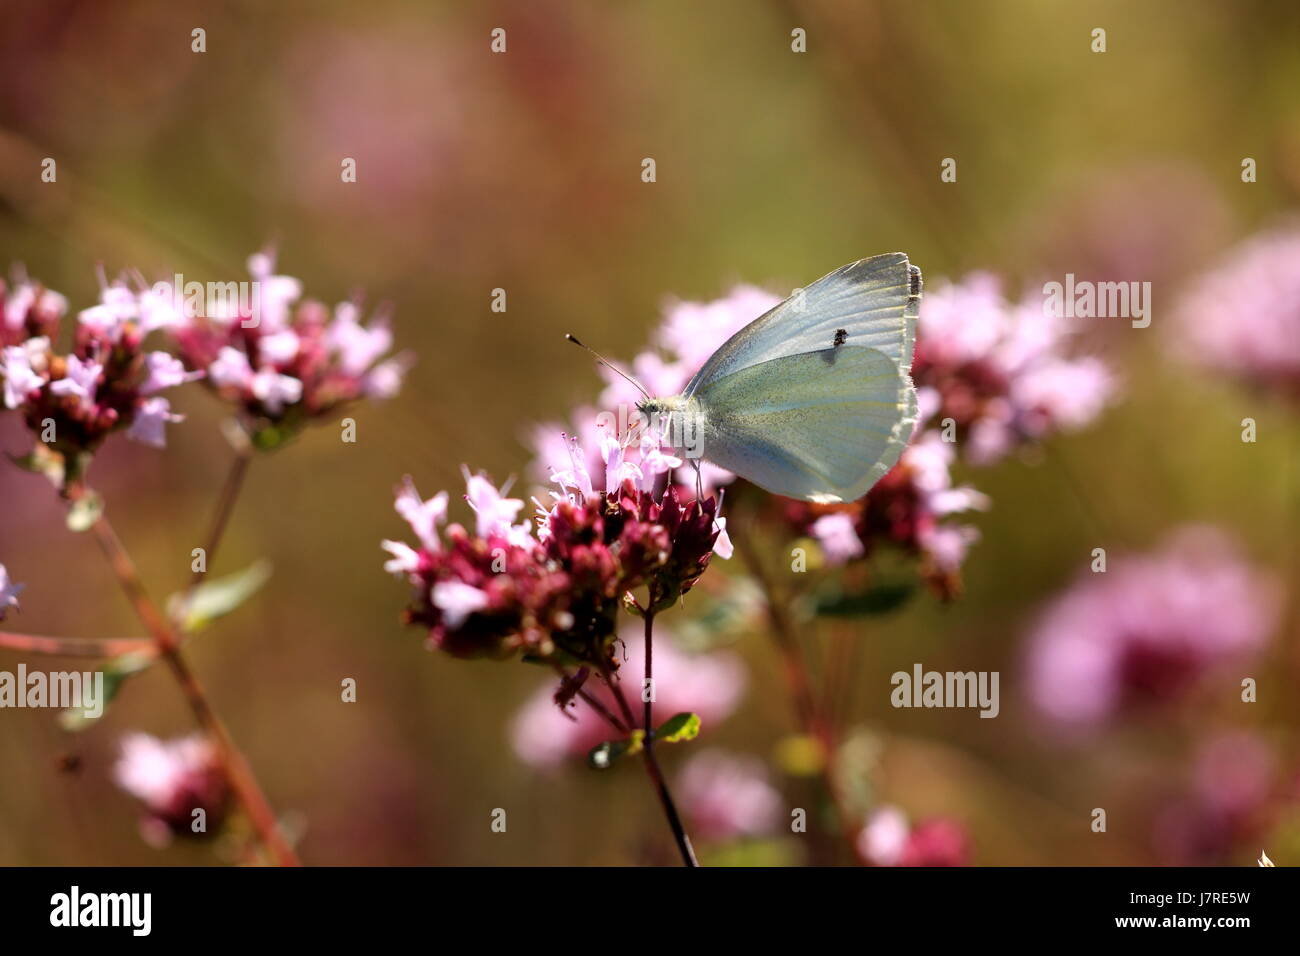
(236, 768)
(651, 762)
(652, 768)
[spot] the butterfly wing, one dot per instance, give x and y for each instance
(822, 425)
(871, 303)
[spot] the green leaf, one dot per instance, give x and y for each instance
(881, 599)
(85, 511)
(116, 672)
(678, 728)
(215, 599)
(602, 756)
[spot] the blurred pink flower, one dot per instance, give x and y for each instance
(1244, 316)
(1001, 371)
(28, 310)
(9, 592)
(837, 536)
(1225, 802)
(727, 796)
(889, 840)
(151, 418)
(709, 685)
(1149, 627)
(173, 779)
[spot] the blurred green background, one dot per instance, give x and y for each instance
(478, 171)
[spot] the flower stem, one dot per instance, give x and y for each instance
(75, 646)
(230, 490)
(652, 763)
(592, 702)
(647, 750)
(237, 770)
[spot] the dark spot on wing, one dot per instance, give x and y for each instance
(840, 338)
(914, 281)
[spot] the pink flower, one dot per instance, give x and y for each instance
(838, 537)
(1000, 371)
(405, 559)
(357, 347)
(424, 517)
(23, 368)
(384, 381)
(1148, 628)
(118, 307)
(106, 383)
(906, 509)
(9, 592)
(29, 310)
(550, 589)
(889, 840)
(81, 379)
(151, 419)
(495, 513)
(274, 391)
(276, 293)
(165, 371)
(1244, 317)
(283, 362)
(884, 839)
(230, 369)
(709, 685)
(693, 331)
(456, 601)
(728, 796)
(173, 779)
(1227, 802)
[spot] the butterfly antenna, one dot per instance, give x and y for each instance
(609, 365)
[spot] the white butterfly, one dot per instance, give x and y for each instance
(814, 398)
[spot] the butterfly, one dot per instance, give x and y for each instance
(814, 398)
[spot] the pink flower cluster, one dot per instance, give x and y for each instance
(1228, 802)
(1244, 317)
(550, 589)
(710, 685)
(106, 383)
(282, 364)
(888, 839)
(1000, 371)
(28, 310)
(1148, 628)
(906, 510)
(173, 779)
